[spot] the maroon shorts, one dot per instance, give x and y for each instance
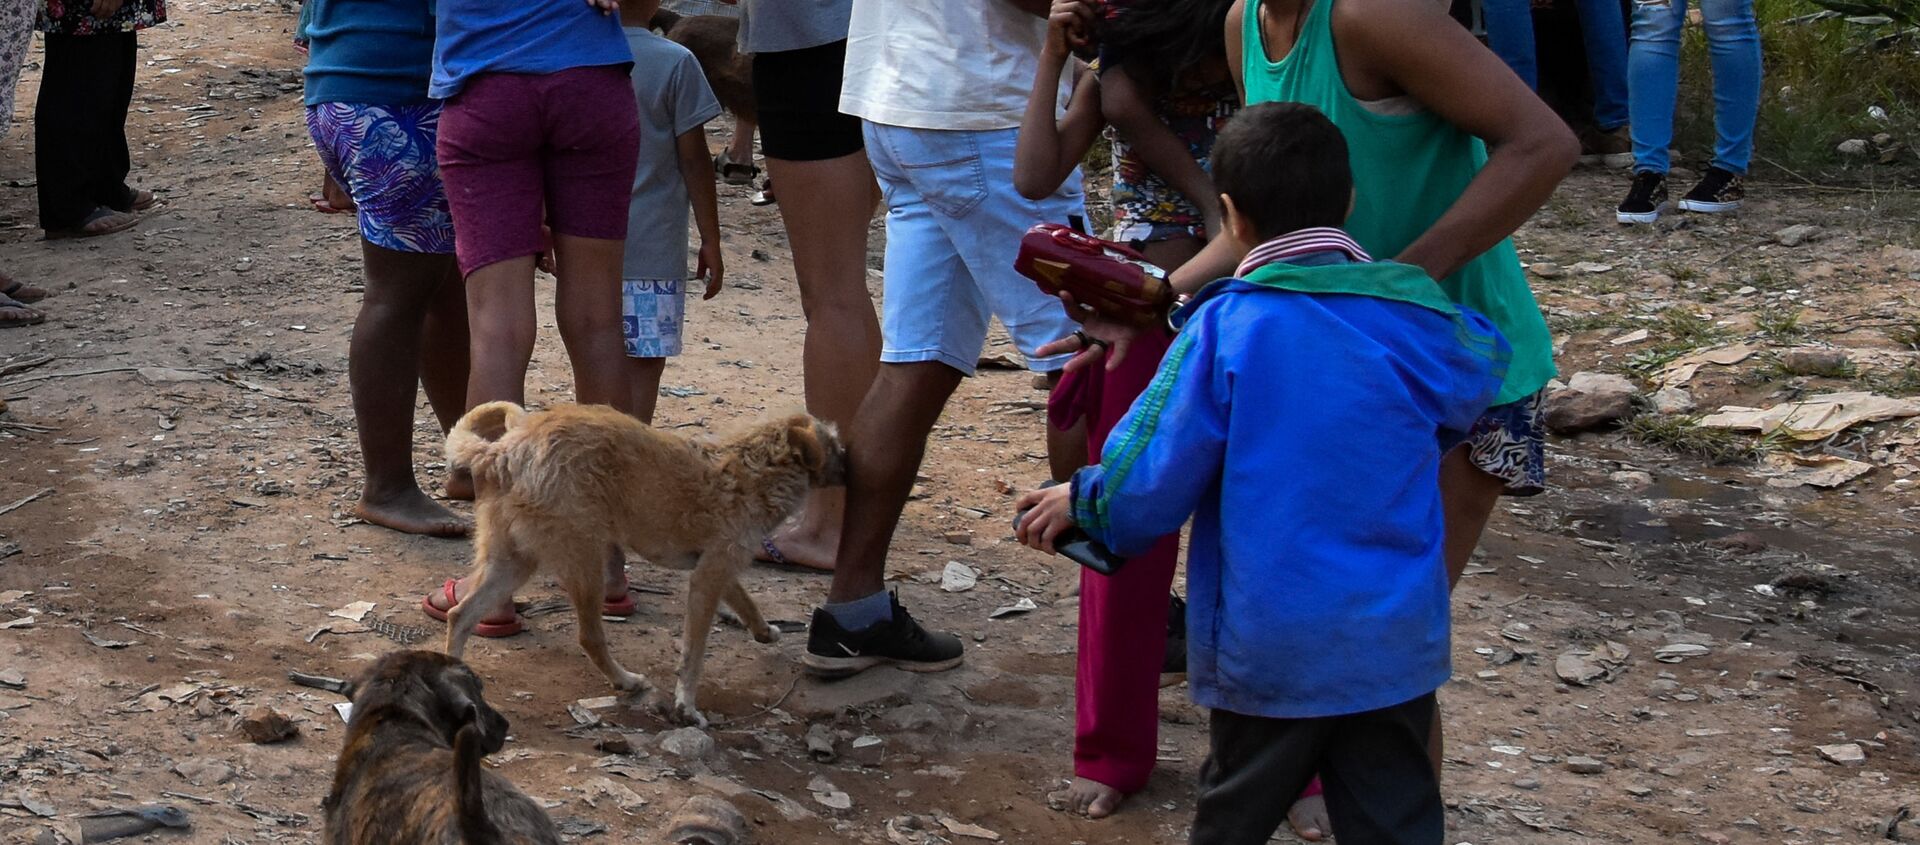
(516, 149)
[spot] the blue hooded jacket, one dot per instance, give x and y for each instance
(1298, 418)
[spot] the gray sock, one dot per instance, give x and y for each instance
(864, 613)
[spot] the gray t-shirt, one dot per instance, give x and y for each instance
(771, 26)
(674, 99)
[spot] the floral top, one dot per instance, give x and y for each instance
(1145, 207)
(75, 17)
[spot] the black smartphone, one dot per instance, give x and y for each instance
(1076, 545)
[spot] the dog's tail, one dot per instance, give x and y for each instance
(474, 442)
(476, 827)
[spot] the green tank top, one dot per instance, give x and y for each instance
(1407, 171)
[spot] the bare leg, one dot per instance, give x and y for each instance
(587, 308)
(740, 149)
(886, 443)
(1468, 495)
(827, 206)
(643, 386)
(444, 349)
(384, 364)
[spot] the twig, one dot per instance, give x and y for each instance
(23, 366)
(1785, 169)
(791, 686)
(75, 374)
(24, 502)
(39, 429)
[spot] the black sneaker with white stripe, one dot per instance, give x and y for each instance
(1718, 192)
(835, 652)
(1646, 199)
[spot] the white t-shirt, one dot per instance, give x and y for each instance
(941, 64)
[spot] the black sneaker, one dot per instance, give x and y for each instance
(1173, 667)
(1646, 199)
(835, 652)
(1719, 191)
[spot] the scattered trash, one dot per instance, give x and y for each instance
(828, 795)
(1680, 651)
(321, 682)
(24, 622)
(353, 612)
(1682, 369)
(867, 750)
(1024, 605)
(820, 742)
(1585, 667)
(958, 577)
(1816, 417)
(971, 831)
(109, 825)
(1634, 336)
(345, 709)
(1824, 471)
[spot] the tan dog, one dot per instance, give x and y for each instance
(410, 768)
(556, 488)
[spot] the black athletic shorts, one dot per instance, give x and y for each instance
(797, 93)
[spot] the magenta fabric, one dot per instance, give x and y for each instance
(517, 150)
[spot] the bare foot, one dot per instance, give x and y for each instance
(460, 485)
(789, 546)
(1309, 818)
(413, 512)
(1089, 798)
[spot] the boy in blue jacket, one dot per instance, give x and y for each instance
(1300, 417)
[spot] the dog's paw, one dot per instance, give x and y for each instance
(766, 634)
(628, 682)
(686, 714)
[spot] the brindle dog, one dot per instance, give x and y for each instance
(410, 771)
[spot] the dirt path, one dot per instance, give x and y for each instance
(192, 426)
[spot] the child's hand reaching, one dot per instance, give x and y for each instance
(711, 269)
(1101, 338)
(1051, 513)
(605, 7)
(1068, 26)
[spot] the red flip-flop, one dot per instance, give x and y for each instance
(622, 606)
(491, 629)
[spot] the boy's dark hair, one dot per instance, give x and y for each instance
(1157, 40)
(1285, 167)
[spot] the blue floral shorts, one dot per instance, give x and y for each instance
(384, 157)
(652, 312)
(1509, 442)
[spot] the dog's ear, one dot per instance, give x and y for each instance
(806, 443)
(458, 690)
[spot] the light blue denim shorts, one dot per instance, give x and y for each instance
(954, 224)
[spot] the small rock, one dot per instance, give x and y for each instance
(867, 750)
(1853, 147)
(911, 718)
(1547, 270)
(1741, 542)
(1590, 401)
(1631, 337)
(820, 744)
(1846, 754)
(264, 725)
(1585, 766)
(1528, 784)
(1797, 234)
(828, 795)
(201, 772)
(613, 742)
(1592, 267)
(1632, 478)
(1680, 651)
(959, 538)
(1672, 400)
(687, 743)
(958, 577)
(1639, 791)
(13, 679)
(1814, 361)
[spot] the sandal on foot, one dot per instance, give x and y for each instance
(735, 172)
(144, 200)
(765, 195)
(103, 221)
(490, 628)
(622, 606)
(22, 292)
(15, 314)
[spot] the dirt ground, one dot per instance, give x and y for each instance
(192, 433)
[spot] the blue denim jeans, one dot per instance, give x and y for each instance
(1603, 30)
(1653, 79)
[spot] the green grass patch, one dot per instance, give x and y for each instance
(1899, 383)
(1780, 323)
(1685, 435)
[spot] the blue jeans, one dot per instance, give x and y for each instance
(1603, 30)
(1653, 79)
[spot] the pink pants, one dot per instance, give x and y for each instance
(1123, 617)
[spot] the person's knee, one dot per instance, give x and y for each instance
(1655, 21)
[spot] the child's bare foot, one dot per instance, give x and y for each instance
(413, 512)
(460, 485)
(1309, 818)
(1089, 798)
(793, 546)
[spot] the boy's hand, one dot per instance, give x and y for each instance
(711, 269)
(1068, 24)
(1101, 338)
(1052, 513)
(605, 7)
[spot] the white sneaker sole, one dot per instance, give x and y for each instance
(1702, 207)
(1628, 218)
(845, 667)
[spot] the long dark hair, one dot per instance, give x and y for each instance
(1158, 40)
